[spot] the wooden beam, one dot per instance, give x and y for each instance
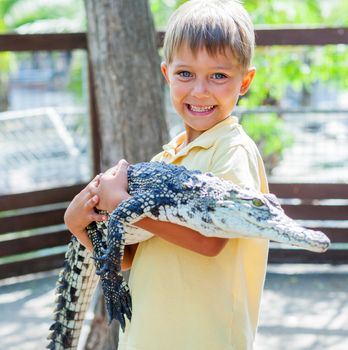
(316, 212)
(292, 36)
(43, 42)
(33, 243)
(36, 198)
(336, 234)
(301, 36)
(29, 221)
(310, 190)
(285, 256)
(264, 37)
(31, 265)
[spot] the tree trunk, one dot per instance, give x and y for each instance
(128, 82)
(129, 94)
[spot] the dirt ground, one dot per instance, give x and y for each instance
(304, 307)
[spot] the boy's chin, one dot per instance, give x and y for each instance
(200, 127)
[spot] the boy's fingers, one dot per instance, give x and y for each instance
(112, 170)
(121, 165)
(97, 179)
(123, 162)
(91, 185)
(99, 217)
(91, 203)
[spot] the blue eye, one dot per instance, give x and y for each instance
(184, 74)
(219, 76)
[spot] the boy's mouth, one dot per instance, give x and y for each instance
(202, 110)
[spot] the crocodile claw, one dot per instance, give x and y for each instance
(117, 299)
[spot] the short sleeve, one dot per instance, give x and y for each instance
(238, 166)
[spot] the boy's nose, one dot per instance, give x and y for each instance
(200, 89)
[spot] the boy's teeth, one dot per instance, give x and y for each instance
(200, 108)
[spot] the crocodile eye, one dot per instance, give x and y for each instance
(257, 202)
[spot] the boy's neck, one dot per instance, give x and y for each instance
(191, 134)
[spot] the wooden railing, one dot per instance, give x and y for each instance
(25, 215)
(37, 217)
(322, 206)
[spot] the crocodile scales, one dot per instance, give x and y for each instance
(165, 192)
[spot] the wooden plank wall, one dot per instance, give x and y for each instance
(322, 206)
(38, 218)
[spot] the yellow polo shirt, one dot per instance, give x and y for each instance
(183, 300)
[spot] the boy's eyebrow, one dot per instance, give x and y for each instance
(223, 67)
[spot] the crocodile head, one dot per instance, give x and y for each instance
(255, 214)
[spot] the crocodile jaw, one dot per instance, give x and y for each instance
(277, 227)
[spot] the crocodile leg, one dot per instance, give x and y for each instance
(116, 291)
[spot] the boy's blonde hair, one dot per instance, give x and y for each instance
(215, 25)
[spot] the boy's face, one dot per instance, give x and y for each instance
(204, 89)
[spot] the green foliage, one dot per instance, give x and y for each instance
(285, 12)
(279, 68)
(270, 12)
(52, 15)
(268, 131)
(75, 84)
(161, 11)
(17, 13)
(4, 56)
(270, 134)
(5, 62)
(5, 5)
(299, 68)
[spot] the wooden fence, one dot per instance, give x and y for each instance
(30, 213)
(31, 224)
(322, 206)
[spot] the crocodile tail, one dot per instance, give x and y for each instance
(75, 286)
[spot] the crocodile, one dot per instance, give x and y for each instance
(165, 192)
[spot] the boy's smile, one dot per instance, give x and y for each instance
(204, 88)
(200, 110)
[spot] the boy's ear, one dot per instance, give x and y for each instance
(248, 78)
(164, 69)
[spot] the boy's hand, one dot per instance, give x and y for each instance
(112, 187)
(80, 212)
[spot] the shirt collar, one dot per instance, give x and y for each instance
(205, 140)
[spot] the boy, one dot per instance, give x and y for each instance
(191, 292)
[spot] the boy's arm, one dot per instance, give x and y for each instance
(80, 213)
(112, 190)
(183, 236)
